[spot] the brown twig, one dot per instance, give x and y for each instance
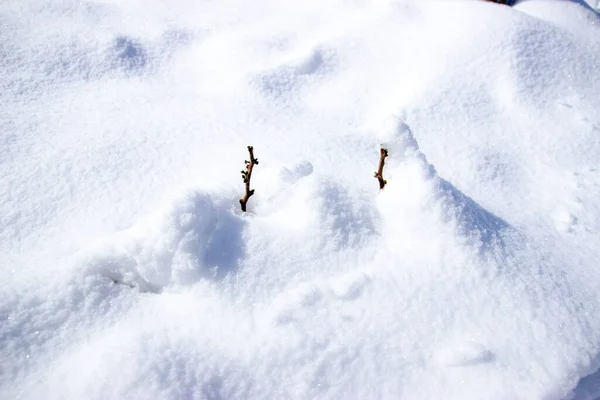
(379, 174)
(246, 175)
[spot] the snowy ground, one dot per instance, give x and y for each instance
(473, 274)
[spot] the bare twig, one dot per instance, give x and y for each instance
(246, 175)
(379, 174)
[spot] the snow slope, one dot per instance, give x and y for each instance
(129, 271)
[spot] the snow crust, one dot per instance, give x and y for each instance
(130, 272)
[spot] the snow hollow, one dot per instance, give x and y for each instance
(130, 272)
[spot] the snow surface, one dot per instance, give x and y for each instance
(130, 272)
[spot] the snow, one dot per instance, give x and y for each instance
(130, 272)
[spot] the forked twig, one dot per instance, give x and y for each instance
(379, 174)
(246, 175)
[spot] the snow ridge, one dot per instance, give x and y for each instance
(130, 272)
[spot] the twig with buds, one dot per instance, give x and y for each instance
(246, 175)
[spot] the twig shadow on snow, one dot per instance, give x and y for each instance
(226, 246)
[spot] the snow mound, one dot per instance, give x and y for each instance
(131, 272)
(422, 191)
(196, 238)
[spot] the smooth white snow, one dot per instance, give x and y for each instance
(130, 272)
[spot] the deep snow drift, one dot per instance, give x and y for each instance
(130, 272)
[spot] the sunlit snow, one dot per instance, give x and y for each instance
(130, 272)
